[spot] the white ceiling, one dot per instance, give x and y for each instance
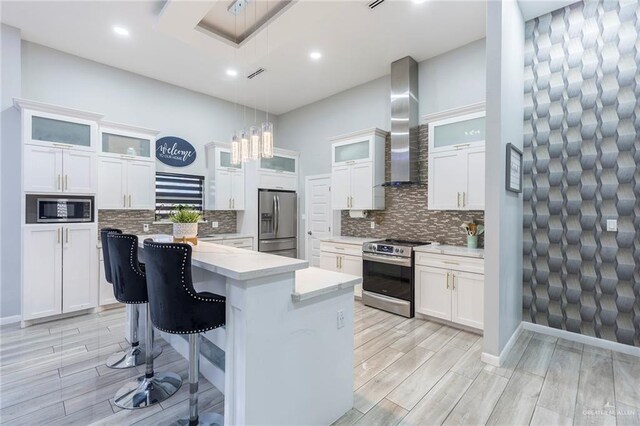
(357, 43)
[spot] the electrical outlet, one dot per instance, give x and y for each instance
(373, 224)
(145, 227)
(340, 318)
(214, 224)
(612, 225)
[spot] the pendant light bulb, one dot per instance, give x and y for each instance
(254, 135)
(235, 150)
(244, 146)
(267, 140)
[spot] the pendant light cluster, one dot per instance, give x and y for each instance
(256, 142)
(252, 144)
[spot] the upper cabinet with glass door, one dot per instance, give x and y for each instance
(55, 126)
(465, 131)
(355, 150)
(127, 142)
(280, 163)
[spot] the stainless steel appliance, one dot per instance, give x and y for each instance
(56, 209)
(278, 223)
(387, 275)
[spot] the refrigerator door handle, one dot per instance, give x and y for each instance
(278, 217)
(275, 215)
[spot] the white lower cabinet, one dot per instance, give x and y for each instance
(343, 258)
(455, 295)
(105, 289)
(59, 269)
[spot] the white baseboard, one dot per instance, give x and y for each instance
(10, 320)
(497, 361)
(581, 338)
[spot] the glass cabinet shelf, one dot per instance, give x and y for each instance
(125, 145)
(60, 131)
(225, 160)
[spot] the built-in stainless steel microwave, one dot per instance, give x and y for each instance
(56, 209)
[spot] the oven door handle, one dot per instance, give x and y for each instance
(387, 259)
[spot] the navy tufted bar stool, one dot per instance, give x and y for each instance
(130, 286)
(135, 355)
(177, 308)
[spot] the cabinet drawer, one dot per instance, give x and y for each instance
(340, 248)
(458, 263)
(238, 242)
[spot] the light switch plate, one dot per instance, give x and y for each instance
(373, 224)
(214, 224)
(612, 225)
(145, 227)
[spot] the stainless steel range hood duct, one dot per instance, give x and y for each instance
(404, 122)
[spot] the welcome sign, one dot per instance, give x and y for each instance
(175, 152)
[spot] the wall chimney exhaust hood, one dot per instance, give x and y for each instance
(404, 122)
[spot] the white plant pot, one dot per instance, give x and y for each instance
(185, 230)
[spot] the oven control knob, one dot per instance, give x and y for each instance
(397, 250)
(373, 247)
(401, 251)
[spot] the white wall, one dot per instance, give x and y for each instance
(55, 77)
(453, 79)
(10, 161)
(503, 212)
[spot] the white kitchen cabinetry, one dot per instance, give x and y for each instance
(59, 269)
(126, 167)
(456, 163)
(358, 171)
(105, 292)
(126, 184)
(279, 172)
(342, 257)
(58, 170)
(450, 288)
(226, 181)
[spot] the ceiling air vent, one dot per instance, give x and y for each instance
(256, 73)
(375, 3)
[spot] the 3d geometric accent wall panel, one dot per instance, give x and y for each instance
(581, 168)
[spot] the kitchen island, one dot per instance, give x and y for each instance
(285, 356)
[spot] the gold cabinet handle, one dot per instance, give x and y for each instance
(340, 257)
(58, 235)
(66, 182)
(448, 273)
(233, 203)
(59, 182)
(66, 235)
(129, 200)
(464, 202)
(337, 263)
(124, 201)
(453, 280)
(458, 200)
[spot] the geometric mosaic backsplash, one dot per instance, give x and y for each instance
(581, 168)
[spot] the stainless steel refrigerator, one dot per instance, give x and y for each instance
(278, 222)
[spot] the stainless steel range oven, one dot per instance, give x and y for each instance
(387, 276)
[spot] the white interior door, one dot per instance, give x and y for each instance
(319, 215)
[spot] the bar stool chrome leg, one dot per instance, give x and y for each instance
(135, 355)
(152, 388)
(196, 418)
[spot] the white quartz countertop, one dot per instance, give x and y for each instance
(313, 282)
(223, 236)
(450, 250)
(349, 240)
(236, 263)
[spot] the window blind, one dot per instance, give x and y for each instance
(173, 190)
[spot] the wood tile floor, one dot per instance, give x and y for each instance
(406, 371)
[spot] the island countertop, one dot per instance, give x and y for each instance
(235, 263)
(312, 282)
(450, 250)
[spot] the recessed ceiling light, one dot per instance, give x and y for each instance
(121, 31)
(232, 73)
(315, 55)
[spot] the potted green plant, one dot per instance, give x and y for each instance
(185, 222)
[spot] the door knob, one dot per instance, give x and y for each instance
(309, 232)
